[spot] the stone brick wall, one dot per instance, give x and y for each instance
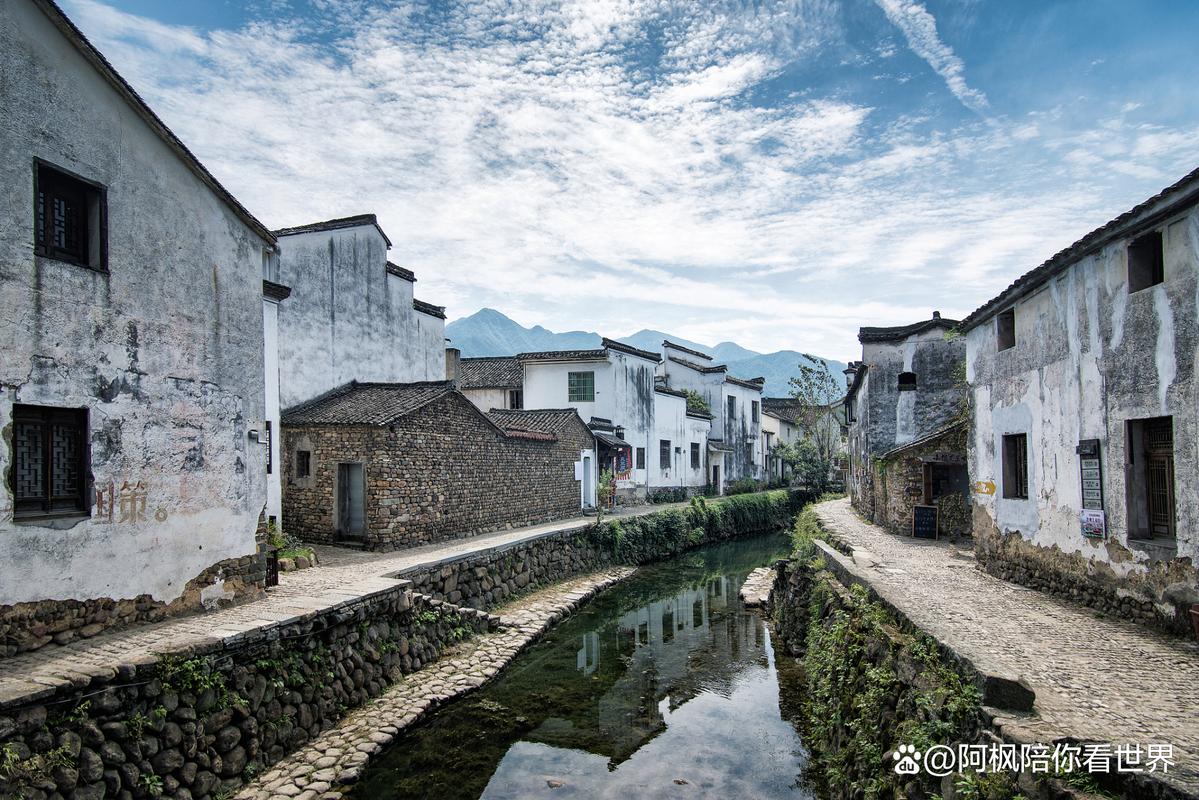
(30, 626)
(201, 726)
(896, 485)
(439, 473)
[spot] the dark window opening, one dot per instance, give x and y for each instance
(695, 455)
(1151, 495)
(907, 381)
(640, 458)
(1146, 262)
(49, 470)
(1005, 330)
(1015, 466)
(732, 408)
(516, 399)
(270, 461)
(303, 463)
(69, 218)
(580, 387)
(664, 454)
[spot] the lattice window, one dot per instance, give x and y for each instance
(70, 218)
(49, 461)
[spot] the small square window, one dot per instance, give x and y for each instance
(907, 381)
(695, 455)
(1146, 262)
(1015, 466)
(303, 463)
(70, 218)
(664, 454)
(1005, 330)
(580, 387)
(49, 467)
(640, 458)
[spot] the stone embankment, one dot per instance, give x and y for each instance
(327, 766)
(906, 642)
(755, 592)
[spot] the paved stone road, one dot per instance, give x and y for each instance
(343, 575)
(323, 768)
(1096, 679)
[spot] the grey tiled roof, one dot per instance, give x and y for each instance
(564, 355)
(366, 403)
(904, 331)
(336, 224)
(787, 408)
(706, 368)
(401, 272)
(1127, 224)
(428, 308)
(752, 383)
(696, 353)
(491, 372)
(540, 420)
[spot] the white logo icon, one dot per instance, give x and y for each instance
(906, 757)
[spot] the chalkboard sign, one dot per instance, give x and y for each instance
(924, 522)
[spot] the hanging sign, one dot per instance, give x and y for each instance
(1094, 524)
(1091, 474)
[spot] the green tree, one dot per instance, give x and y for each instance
(818, 394)
(697, 402)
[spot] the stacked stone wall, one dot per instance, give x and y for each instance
(30, 626)
(440, 473)
(199, 726)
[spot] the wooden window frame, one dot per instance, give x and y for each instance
(579, 390)
(640, 462)
(695, 460)
(1005, 330)
(304, 461)
(1146, 261)
(1015, 466)
(92, 196)
(49, 505)
(664, 454)
(516, 399)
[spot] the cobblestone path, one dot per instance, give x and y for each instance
(323, 768)
(1096, 679)
(342, 575)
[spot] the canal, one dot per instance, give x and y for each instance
(663, 686)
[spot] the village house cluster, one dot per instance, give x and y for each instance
(179, 380)
(1057, 423)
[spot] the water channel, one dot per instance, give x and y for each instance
(664, 686)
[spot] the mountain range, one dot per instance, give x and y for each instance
(488, 332)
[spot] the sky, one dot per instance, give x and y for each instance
(776, 174)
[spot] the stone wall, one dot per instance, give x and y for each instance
(200, 726)
(442, 472)
(897, 485)
(1159, 596)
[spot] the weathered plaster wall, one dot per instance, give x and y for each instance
(270, 334)
(897, 417)
(348, 318)
(741, 433)
(487, 399)
(165, 350)
(672, 423)
(442, 472)
(1090, 356)
(624, 393)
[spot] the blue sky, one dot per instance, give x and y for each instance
(772, 173)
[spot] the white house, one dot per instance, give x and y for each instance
(679, 461)
(1085, 419)
(352, 315)
(132, 382)
(612, 388)
(736, 405)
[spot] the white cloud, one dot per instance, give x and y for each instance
(920, 29)
(535, 157)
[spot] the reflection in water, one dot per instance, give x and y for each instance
(664, 686)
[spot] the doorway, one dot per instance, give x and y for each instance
(716, 479)
(1151, 495)
(351, 505)
(587, 490)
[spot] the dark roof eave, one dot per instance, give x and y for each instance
(1127, 224)
(866, 335)
(673, 346)
(275, 291)
(401, 272)
(81, 43)
(340, 223)
(428, 308)
(621, 347)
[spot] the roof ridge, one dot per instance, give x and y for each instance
(338, 223)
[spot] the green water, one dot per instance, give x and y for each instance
(664, 686)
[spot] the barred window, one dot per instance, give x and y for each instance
(640, 458)
(664, 454)
(49, 476)
(69, 217)
(580, 387)
(695, 455)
